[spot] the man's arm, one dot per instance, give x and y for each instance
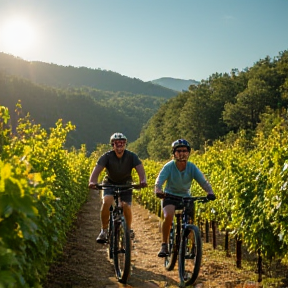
(95, 174)
(141, 173)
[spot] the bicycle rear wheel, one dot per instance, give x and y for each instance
(122, 251)
(170, 261)
(190, 255)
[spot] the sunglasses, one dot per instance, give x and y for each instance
(180, 150)
(118, 142)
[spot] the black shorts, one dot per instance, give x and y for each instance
(168, 201)
(126, 197)
(178, 205)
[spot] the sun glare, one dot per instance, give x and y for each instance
(17, 36)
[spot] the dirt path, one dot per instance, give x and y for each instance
(85, 263)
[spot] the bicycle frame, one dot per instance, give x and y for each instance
(119, 236)
(186, 244)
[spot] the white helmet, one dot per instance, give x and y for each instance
(117, 136)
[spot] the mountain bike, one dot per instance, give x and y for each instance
(185, 240)
(118, 234)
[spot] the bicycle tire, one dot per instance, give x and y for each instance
(173, 246)
(122, 251)
(190, 255)
(111, 235)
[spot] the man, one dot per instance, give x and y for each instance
(119, 163)
(178, 175)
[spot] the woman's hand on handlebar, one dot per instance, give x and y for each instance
(160, 194)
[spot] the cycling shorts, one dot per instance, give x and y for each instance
(178, 206)
(126, 197)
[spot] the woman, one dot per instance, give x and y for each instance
(178, 175)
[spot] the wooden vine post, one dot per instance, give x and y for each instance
(238, 252)
(259, 265)
(214, 234)
(227, 246)
(207, 231)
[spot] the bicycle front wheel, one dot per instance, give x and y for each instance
(122, 251)
(111, 235)
(170, 261)
(190, 255)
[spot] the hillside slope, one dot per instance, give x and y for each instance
(96, 114)
(68, 76)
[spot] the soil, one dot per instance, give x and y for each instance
(85, 263)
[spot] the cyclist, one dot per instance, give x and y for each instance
(178, 175)
(119, 163)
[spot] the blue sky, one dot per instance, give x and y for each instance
(146, 39)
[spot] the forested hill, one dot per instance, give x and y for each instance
(68, 76)
(97, 114)
(224, 103)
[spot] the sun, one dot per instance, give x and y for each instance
(17, 35)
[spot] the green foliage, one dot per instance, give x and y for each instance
(146, 196)
(249, 176)
(224, 103)
(42, 187)
(4, 130)
(251, 188)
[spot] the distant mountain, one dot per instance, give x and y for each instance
(72, 77)
(175, 84)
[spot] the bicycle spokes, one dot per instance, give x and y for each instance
(191, 248)
(122, 251)
(170, 261)
(190, 255)
(121, 248)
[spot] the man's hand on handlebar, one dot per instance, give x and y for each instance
(93, 185)
(143, 185)
(97, 186)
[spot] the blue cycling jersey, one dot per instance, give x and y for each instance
(179, 182)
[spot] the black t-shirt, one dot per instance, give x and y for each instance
(118, 170)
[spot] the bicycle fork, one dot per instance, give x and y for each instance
(178, 231)
(118, 220)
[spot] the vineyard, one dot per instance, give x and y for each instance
(43, 186)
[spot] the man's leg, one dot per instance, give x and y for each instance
(105, 210)
(105, 213)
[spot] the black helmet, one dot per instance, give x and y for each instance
(117, 136)
(180, 143)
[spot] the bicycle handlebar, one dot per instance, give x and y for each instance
(115, 187)
(201, 199)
